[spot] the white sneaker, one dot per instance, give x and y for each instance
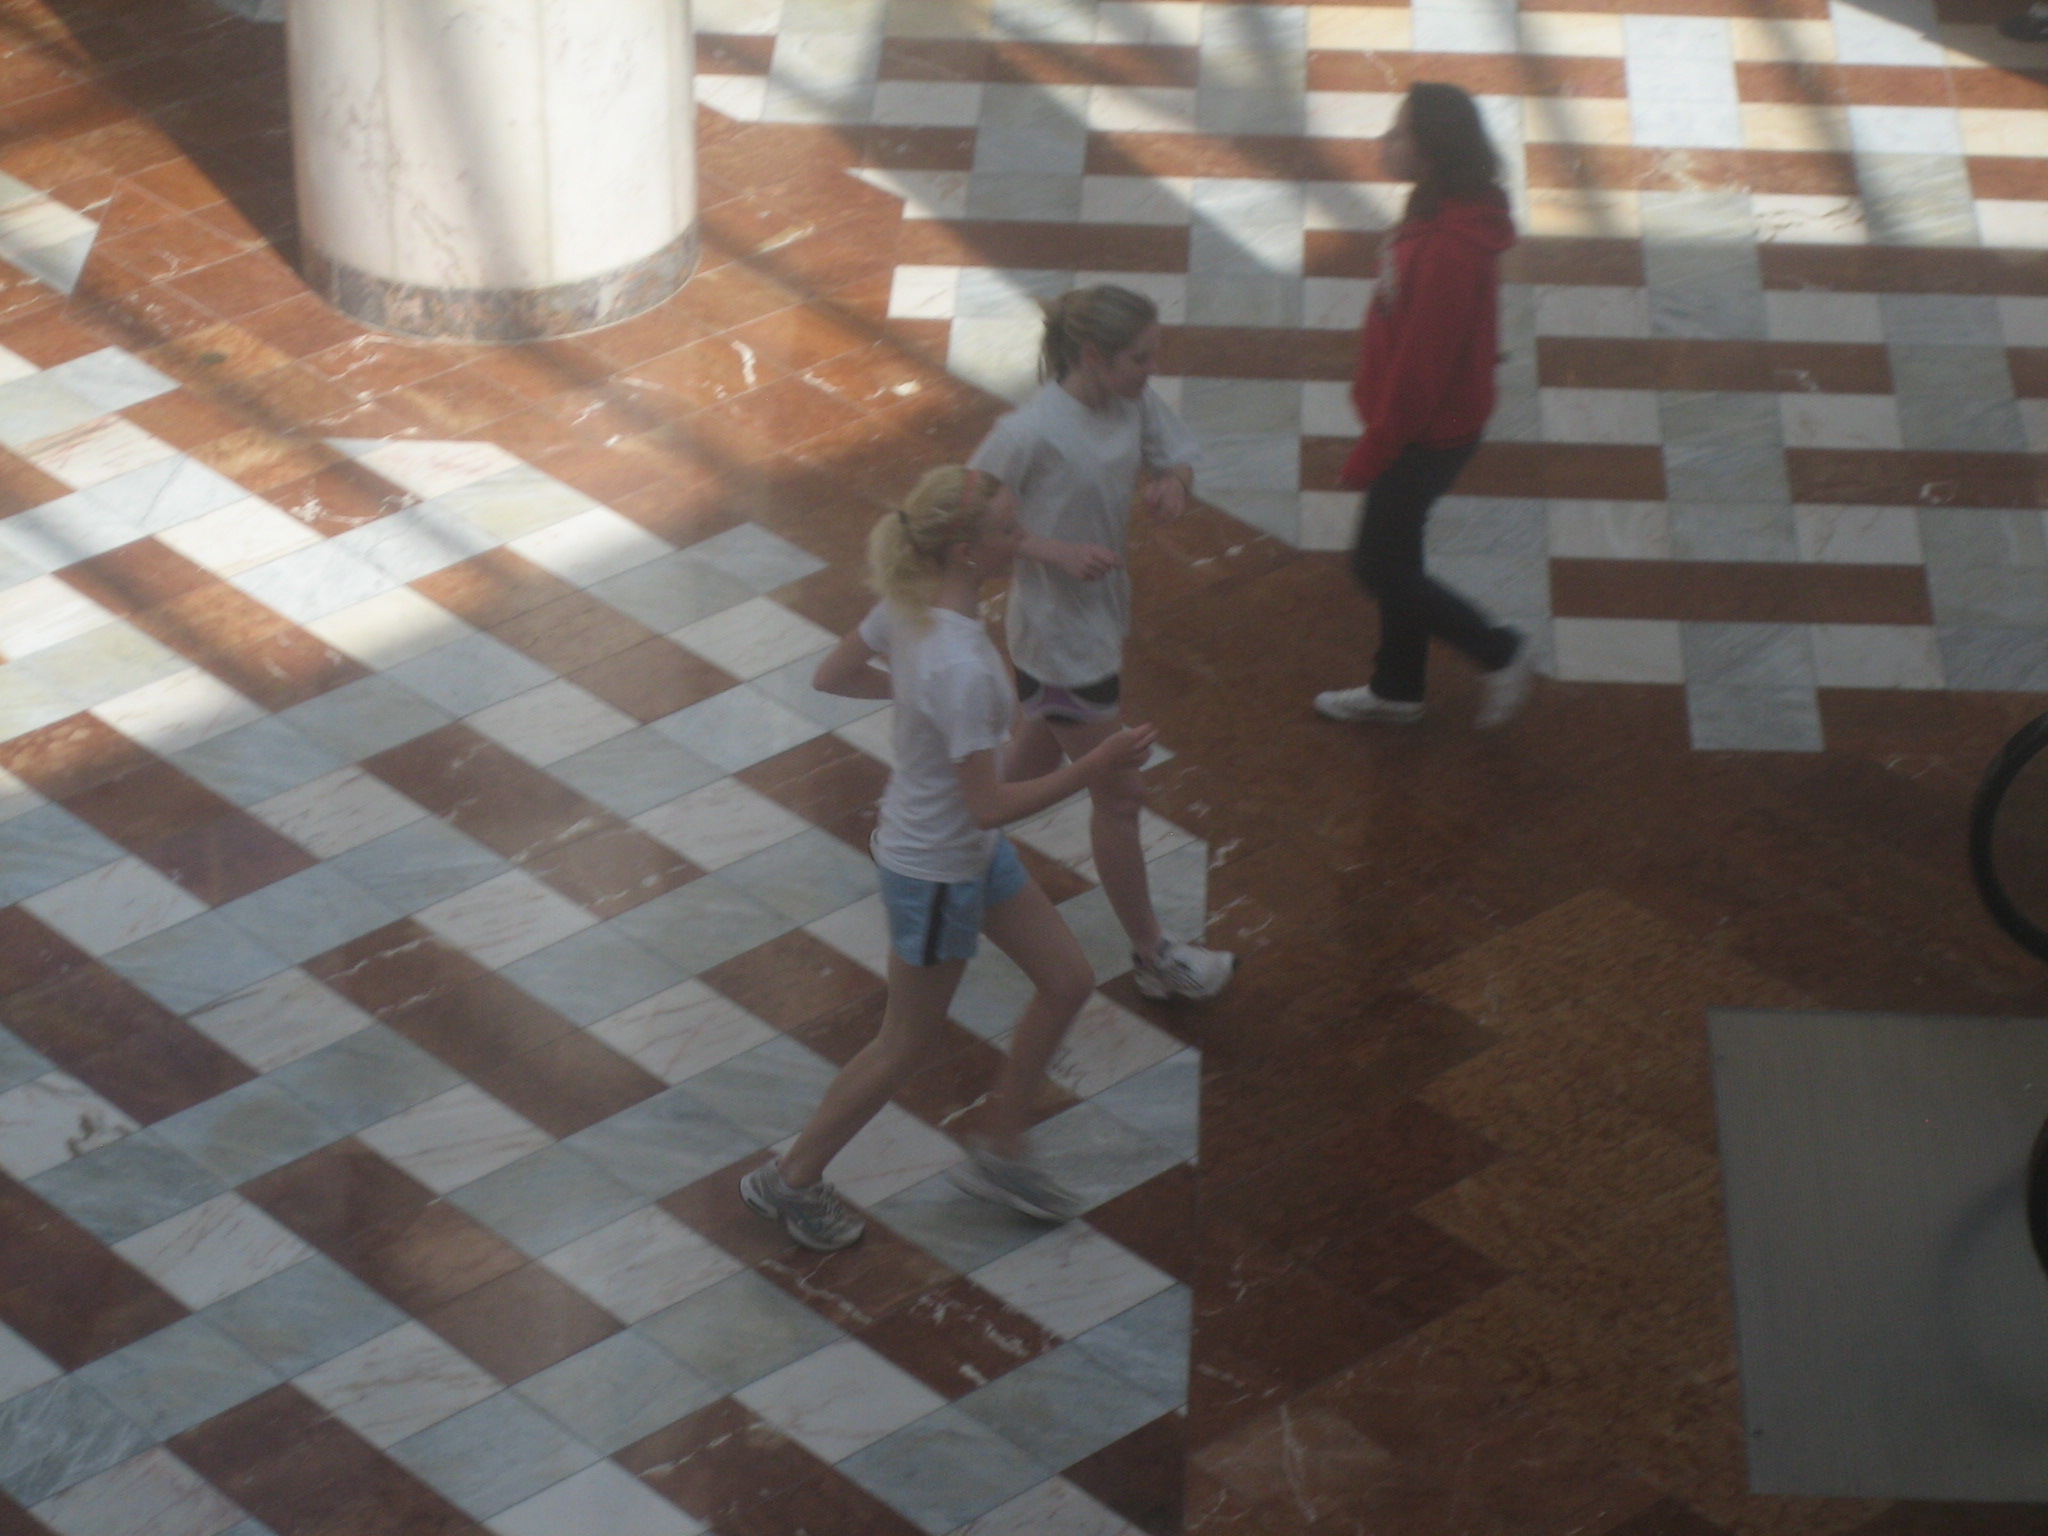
(1183, 970)
(816, 1217)
(1506, 689)
(1020, 1183)
(1364, 704)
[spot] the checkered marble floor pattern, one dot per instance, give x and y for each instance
(396, 994)
(1778, 328)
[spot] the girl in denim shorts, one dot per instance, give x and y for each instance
(947, 873)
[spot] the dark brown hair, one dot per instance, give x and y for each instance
(1453, 154)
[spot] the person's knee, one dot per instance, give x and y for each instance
(1118, 798)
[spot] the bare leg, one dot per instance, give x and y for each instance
(1028, 928)
(1114, 839)
(1032, 751)
(918, 997)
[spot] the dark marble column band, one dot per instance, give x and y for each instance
(504, 314)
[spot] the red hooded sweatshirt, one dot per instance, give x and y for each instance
(1425, 370)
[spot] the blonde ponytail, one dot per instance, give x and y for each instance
(1104, 317)
(907, 547)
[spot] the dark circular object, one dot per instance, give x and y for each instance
(2009, 838)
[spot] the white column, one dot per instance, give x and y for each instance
(494, 169)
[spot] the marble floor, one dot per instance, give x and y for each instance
(414, 822)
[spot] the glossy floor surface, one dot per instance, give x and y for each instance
(432, 882)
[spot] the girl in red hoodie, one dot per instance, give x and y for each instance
(1424, 391)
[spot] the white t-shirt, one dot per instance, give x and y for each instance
(953, 699)
(1074, 471)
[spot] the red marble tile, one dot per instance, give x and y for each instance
(956, 1337)
(330, 1195)
(653, 679)
(792, 980)
(569, 1083)
(856, 1285)
(63, 1292)
(303, 1473)
(1142, 1476)
(1889, 477)
(32, 953)
(1755, 592)
(521, 1323)
(828, 782)
(226, 857)
(1158, 1220)
(720, 1462)
(573, 631)
(498, 798)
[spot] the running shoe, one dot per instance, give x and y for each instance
(1364, 704)
(815, 1217)
(1505, 689)
(1183, 970)
(1019, 1183)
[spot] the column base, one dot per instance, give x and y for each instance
(504, 314)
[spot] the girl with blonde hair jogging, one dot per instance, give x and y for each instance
(947, 872)
(1075, 453)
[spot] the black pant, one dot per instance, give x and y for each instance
(1387, 561)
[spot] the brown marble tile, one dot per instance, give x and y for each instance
(232, 288)
(23, 486)
(1907, 478)
(612, 869)
(1797, 172)
(303, 1473)
(479, 1026)
(956, 1337)
(340, 498)
(63, 1292)
(1108, 247)
(340, 1190)
(1142, 1476)
(32, 953)
(720, 1462)
(1344, 70)
(493, 588)
(1230, 351)
(1728, 592)
(792, 980)
(831, 1505)
(226, 857)
(498, 798)
(826, 781)
(573, 631)
(521, 1323)
(1597, 362)
(856, 1285)
(1905, 269)
(386, 969)
(136, 576)
(16, 1521)
(653, 679)
(146, 804)
(572, 1082)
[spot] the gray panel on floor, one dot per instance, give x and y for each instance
(1893, 1323)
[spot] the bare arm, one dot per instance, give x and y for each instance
(994, 803)
(849, 671)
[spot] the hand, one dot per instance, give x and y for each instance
(1167, 496)
(1124, 751)
(1083, 562)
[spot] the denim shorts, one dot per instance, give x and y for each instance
(932, 921)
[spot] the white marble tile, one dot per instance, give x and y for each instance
(338, 811)
(153, 1494)
(859, 932)
(313, 582)
(839, 1399)
(1617, 651)
(2023, 321)
(603, 1500)
(1810, 219)
(1599, 416)
(641, 1264)
(591, 546)
(455, 1137)
(114, 906)
(22, 1365)
(1858, 535)
(213, 1250)
(280, 1019)
(686, 1030)
(1877, 656)
(1840, 421)
(239, 537)
(891, 1153)
(96, 452)
(1136, 200)
(397, 1384)
(393, 627)
(16, 798)
(551, 722)
(179, 711)
(720, 824)
(1107, 1044)
(1055, 1505)
(427, 467)
(754, 637)
(52, 1120)
(739, 97)
(928, 103)
(923, 292)
(1071, 1279)
(1609, 530)
(506, 918)
(44, 612)
(28, 705)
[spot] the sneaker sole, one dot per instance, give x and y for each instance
(1345, 718)
(1154, 991)
(970, 1180)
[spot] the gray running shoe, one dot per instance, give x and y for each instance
(1364, 704)
(815, 1217)
(1021, 1185)
(1182, 970)
(1503, 692)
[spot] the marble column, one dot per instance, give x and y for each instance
(494, 170)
